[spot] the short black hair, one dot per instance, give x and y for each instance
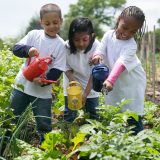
(50, 7)
(81, 24)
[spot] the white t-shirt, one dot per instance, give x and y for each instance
(79, 63)
(46, 46)
(132, 82)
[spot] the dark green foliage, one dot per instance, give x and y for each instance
(101, 13)
(33, 24)
(1, 44)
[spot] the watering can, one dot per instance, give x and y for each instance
(37, 68)
(74, 91)
(99, 74)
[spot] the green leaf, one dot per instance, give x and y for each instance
(80, 137)
(92, 155)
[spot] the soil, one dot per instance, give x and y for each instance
(150, 94)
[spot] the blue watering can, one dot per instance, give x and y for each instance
(99, 74)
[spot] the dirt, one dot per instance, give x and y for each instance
(152, 95)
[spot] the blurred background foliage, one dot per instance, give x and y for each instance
(103, 14)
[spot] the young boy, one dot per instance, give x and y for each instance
(44, 42)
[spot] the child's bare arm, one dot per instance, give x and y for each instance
(87, 90)
(70, 75)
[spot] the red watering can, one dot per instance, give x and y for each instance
(37, 69)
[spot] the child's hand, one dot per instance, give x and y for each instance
(39, 81)
(32, 52)
(96, 59)
(108, 85)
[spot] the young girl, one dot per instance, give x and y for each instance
(127, 77)
(47, 43)
(81, 45)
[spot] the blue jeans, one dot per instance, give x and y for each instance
(138, 125)
(41, 109)
(90, 107)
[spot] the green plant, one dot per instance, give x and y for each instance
(114, 141)
(9, 66)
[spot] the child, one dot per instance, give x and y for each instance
(46, 43)
(127, 77)
(81, 45)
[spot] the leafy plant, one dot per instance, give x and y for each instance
(9, 66)
(112, 139)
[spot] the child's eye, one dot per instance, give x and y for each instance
(85, 39)
(55, 22)
(76, 40)
(47, 24)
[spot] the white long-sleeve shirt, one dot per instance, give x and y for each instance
(46, 46)
(132, 82)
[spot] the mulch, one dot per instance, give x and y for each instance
(150, 95)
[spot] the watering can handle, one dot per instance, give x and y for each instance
(44, 59)
(29, 59)
(47, 81)
(74, 82)
(99, 68)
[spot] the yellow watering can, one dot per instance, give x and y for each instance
(74, 91)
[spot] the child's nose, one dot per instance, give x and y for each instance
(51, 25)
(81, 43)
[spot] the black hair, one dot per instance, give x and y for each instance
(138, 14)
(50, 7)
(81, 24)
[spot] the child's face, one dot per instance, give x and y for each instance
(51, 22)
(127, 27)
(81, 40)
